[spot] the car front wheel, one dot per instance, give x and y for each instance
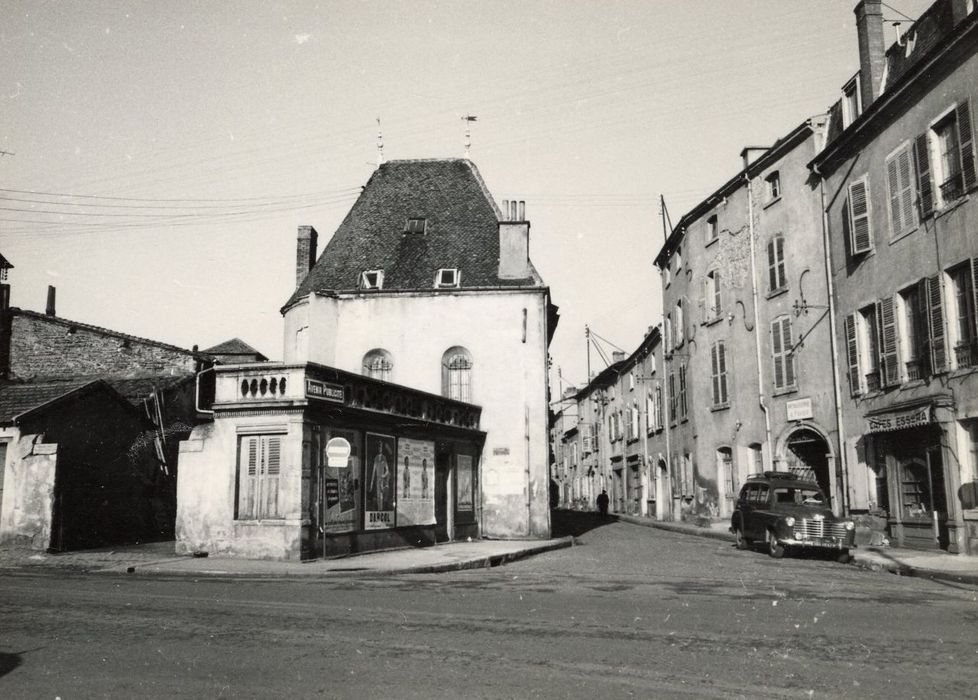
(844, 557)
(774, 548)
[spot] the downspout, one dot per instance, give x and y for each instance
(197, 391)
(757, 327)
(666, 417)
(833, 342)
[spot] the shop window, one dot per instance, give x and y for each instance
(915, 490)
(259, 469)
(456, 374)
(378, 364)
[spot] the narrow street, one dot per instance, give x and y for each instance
(632, 612)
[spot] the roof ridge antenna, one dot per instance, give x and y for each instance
(380, 144)
(468, 119)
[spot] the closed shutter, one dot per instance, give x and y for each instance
(272, 463)
(722, 365)
(966, 139)
(717, 303)
(893, 187)
(899, 173)
(922, 326)
(889, 344)
(974, 302)
(852, 355)
(935, 325)
(925, 189)
(789, 357)
(777, 353)
(859, 227)
(715, 364)
(772, 263)
(248, 471)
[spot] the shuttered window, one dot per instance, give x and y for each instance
(860, 232)
(259, 473)
(672, 397)
(777, 278)
(901, 192)
(683, 406)
(852, 355)
(718, 361)
(888, 342)
(781, 352)
(967, 139)
(936, 328)
(925, 186)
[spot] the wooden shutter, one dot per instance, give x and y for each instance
(717, 302)
(772, 263)
(893, 188)
(722, 365)
(966, 139)
(922, 326)
(925, 189)
(889, 350)
(777, 353)
(859, 227)
(272, 464)
(248, 474)
(905, 173)
(852, 355)
(974, 301)
(715, 364)
(789, 358)
(935, 325)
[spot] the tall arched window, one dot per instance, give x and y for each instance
(378, 363)
(456, 374)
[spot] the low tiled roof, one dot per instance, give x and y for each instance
(235, 346)
(461, 231)
(135, 389)
(18, 399)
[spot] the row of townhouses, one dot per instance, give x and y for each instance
(820, 315)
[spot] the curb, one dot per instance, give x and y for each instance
(680, 529)
(488, 562)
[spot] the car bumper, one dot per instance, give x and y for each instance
(818, 543)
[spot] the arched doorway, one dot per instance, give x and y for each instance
(806, 454)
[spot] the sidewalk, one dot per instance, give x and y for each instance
(158, 558)
(936, 565)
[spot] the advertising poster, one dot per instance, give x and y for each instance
(381, 472)
(464, 497)
(415, 482)
(341, 487)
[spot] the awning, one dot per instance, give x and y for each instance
(898, 420)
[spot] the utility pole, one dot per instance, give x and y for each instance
(587, 342)
(667, 398)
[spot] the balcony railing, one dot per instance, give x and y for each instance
(966, 354)
(952, 188)
(915, 370)
(872, 381)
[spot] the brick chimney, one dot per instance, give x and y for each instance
(50, 308)
(305, 252)
(872, 49)
(514, 242)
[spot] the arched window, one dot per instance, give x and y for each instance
(378, 363)
(456, 374)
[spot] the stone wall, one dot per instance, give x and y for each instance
(46, 346)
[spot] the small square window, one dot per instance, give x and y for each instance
(372, 279)
(447, 277)
(773, 186)
(712, 229)
(416, 225)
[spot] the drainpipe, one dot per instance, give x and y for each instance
(757, 327)
(833, 342)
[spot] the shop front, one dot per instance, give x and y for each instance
(912, 455)
(306, 461)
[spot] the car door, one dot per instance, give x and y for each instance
(746, 506)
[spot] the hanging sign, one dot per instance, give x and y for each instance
(338, 453)
(324, 390)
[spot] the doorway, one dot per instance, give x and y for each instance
(443, 475)
(808, 457)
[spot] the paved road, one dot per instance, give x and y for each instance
(633, 612)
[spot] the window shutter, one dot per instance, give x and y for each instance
(772, 262)
(893, 186)
(717, 303)
(247, 496)
(777, 350)
(715, 364)
(889, 350)
(722, 365)
(789, 358)
(966, 139)
(923, 328)
(852, 355)
(859, 217)
(905, 172)
(974, 292)
(272, 467)
(925, 190)
(935, 325)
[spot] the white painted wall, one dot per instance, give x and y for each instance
(28, 491)
(508, 376)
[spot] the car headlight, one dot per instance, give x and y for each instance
(789, 521)
(850, 525)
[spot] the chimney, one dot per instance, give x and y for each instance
(305, 252)
(618, 356)
(514, 242)
(872, 49)
(959, 11)
(49, 309)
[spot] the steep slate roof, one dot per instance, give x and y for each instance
(462, 232)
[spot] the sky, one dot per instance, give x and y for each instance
(164, 153)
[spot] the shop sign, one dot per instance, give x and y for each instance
(338, 453)
(500, 451)
(799, 409)
(341, 484)
(899, 420)
(324, 390)
(463, 471)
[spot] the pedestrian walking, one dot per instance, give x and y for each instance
(603, 503)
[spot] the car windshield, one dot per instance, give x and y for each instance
(801, 496)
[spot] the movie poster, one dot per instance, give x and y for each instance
(341, 487)
(463, 471)
(415, 482)
(379, 489)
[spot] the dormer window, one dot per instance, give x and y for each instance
(773, 186)
(416, 225)
(851, 106)
(447, 277)
(372, 279)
